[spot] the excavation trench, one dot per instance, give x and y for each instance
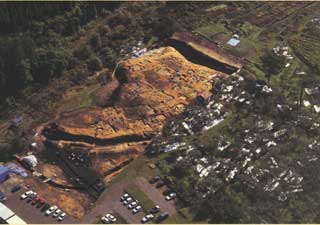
(52, 133)
(199, 58)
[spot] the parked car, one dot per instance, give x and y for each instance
(137, 209)
(41, 202)
(155, 209)
(51, 210)
(171, 196)
(26, 194)
(147, 218)
(31, 196)
(45, 207)
(57, 213)
(168, 191)
(105, 220)
(154, 179)
(111, 218)
(162, 217)
(132, 205)
(160, 184)
(62, 216)
(15, 188)
(124, 197)
(35, 200)
(127, 201)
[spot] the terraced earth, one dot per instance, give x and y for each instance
(143, 94)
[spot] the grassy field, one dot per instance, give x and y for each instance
(79, 99)
(139, 167)
(182, 216)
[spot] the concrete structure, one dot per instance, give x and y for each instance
(16, 220)
(8, 216)
(5, 212)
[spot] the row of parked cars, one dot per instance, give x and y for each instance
(169, 193)
(133, 204)
(35, 199)
(151, 216)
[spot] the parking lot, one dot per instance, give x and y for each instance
(109, 202)
(30, 213)
(155, 194)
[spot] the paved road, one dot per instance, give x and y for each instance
(30, 213)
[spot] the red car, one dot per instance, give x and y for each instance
(35, 200)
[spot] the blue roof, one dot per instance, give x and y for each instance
(233, 42)
(3, 169)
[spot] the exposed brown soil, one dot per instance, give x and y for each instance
(73, 202)
(55, 173)
(144, 93)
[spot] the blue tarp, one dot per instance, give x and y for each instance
(13, 168)
(233, 42)
(4, 173)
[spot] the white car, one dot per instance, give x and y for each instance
(147, 218)
(127, 201)
(124, 197)
(51, 210)
(132, 205)
(111, 217)
(62, 216)
(57, 213)
(171, 196)
(105, 220)
(26, 194)
(137, 209)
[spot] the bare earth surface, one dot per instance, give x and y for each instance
(143, 94)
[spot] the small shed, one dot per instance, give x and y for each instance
(4, 173)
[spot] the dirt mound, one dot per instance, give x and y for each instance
(148, 91)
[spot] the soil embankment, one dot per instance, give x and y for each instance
(204, 52)
(148, 90)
